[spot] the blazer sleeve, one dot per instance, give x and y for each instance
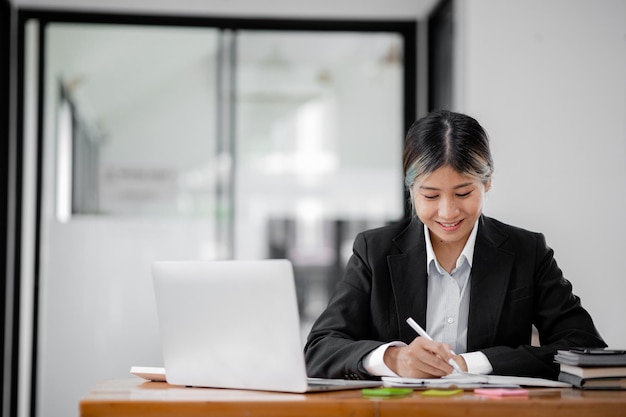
(555, 311)
(344, 333)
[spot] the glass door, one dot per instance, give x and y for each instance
(209, 141)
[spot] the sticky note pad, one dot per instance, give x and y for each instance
(386, 392)
(502, 392)
(440, 392)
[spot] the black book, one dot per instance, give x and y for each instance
(591, 357)
(609, 383)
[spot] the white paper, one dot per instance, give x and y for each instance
(467, 379)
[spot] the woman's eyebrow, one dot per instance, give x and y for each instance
(456, 187)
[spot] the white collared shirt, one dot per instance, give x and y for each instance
(447, 310)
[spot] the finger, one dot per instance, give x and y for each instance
(460, 360)
(432, 370)
(442, 350)
(426, 344)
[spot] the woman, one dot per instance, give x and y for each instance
(475, 284)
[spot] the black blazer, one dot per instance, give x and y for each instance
(515, 283)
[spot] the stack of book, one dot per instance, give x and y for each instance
(587, 368)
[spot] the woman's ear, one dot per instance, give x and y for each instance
(488, 185)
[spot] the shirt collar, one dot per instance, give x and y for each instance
(467, 252)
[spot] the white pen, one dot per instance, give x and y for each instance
(425, 335)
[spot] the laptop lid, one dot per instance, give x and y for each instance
(230, 324)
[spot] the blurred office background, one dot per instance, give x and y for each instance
(138, 131)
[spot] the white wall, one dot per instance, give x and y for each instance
(547, 79)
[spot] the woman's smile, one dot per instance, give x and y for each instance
(450, 227)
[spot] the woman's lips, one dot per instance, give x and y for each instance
(450, 227)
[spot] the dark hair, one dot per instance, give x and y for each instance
(444, 138)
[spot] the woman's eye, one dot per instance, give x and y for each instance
(464, 194)
(430, 197)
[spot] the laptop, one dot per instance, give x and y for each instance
(234, 324)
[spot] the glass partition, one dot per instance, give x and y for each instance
(137, 118)
(317, 148)
(201, 142)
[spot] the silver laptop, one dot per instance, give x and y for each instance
(234, 324)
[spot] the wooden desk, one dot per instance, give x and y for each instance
(134, 397)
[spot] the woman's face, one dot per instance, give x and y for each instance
(449, 203)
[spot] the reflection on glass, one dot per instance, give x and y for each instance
(318, 148)
(64, 160)
(141, 133)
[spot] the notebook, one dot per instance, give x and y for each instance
(234, 324)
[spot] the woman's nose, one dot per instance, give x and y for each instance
(448, 208)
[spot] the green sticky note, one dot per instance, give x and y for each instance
(440, 392)
(386, 392)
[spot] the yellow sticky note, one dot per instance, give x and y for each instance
(440, 392)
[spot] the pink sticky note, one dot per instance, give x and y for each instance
(502, 392)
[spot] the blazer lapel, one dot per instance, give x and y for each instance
(491, 270)
(409, 278)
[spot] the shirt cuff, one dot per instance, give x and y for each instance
(477, 363)
(374, 362)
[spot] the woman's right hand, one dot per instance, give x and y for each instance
(423, 358)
